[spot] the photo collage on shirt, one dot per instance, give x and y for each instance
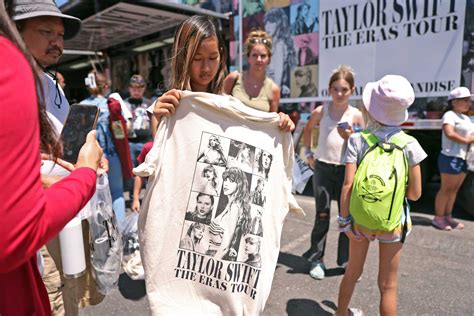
(227, 200)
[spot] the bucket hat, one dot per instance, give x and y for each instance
(388, 99)
(27, 9)
(137, 80)
(459, 93)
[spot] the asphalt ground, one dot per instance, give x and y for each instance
(436, 274)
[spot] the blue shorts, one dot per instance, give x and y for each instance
(451, 165)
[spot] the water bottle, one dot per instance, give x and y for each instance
(72, 249)
(356, 127)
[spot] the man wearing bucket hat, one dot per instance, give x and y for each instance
(44, 28)
(385, 108)
(457, 136)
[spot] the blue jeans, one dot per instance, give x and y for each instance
(116, 187)
(135, 150)
(327, 186)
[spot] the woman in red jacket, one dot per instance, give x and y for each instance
(30, 215)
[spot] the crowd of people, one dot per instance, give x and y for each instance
(229, 189)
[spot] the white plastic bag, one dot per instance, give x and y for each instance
(132, 262)
(301, 174)
(106, 240)
(130, 234)
(470, 158)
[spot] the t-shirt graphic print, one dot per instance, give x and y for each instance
(227, 200)
(211, 219)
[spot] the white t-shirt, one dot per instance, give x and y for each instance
(463, 126)
(331, 146)
(231, 271)
(56, 102)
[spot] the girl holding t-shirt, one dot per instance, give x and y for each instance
(458, 133)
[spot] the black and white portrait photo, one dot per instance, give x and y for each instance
(263, 163)
(241, 155)
(213, 149)
(257, 194)
(232, 211)
(201, 210)
(207, 178)
(194, 237)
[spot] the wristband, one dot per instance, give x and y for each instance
(308, 153)
(344, 229)
(344, 221)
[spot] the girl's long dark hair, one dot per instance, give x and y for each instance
(48, 139)
(189, 35)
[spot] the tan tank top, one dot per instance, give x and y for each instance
(261, 102)
(331, 146)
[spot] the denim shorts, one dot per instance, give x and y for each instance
(451, 165)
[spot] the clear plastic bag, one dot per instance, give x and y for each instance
(130, 234)
(470, 158)
(106, 239)
(132, 262)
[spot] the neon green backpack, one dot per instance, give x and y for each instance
(378, 192)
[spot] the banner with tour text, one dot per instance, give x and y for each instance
(419, 39)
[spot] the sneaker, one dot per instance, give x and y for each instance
(454, 224)
(317, 270)
(355, 312)
(440, 223)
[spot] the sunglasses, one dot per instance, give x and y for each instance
(256, 40)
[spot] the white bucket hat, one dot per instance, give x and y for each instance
(459, 93)
(27, 9)
(388, 99)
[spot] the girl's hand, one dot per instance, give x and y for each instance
(90, 154)
(166, 104)
(344, 132)
(103, 166)
(286, 123)
(63, 163)
(311, 162)
(350, 234)
(136, 205)
(48, 180)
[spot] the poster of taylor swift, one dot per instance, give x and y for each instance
(228, 198)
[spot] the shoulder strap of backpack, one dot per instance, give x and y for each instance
(401, 139)
(370, 138)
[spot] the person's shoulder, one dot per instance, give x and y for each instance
(146, 101)
(354, 109)
(229, 81)
(355, 137)
(448, 114)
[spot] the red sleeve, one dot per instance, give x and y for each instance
(30, 215)
(146, 149)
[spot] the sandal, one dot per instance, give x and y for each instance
(454, 224)
(441, 223)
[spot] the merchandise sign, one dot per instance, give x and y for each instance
(418, 39)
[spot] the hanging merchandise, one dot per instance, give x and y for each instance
(119, 135)
(106, 240)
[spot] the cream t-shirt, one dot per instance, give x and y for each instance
(231, 270)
